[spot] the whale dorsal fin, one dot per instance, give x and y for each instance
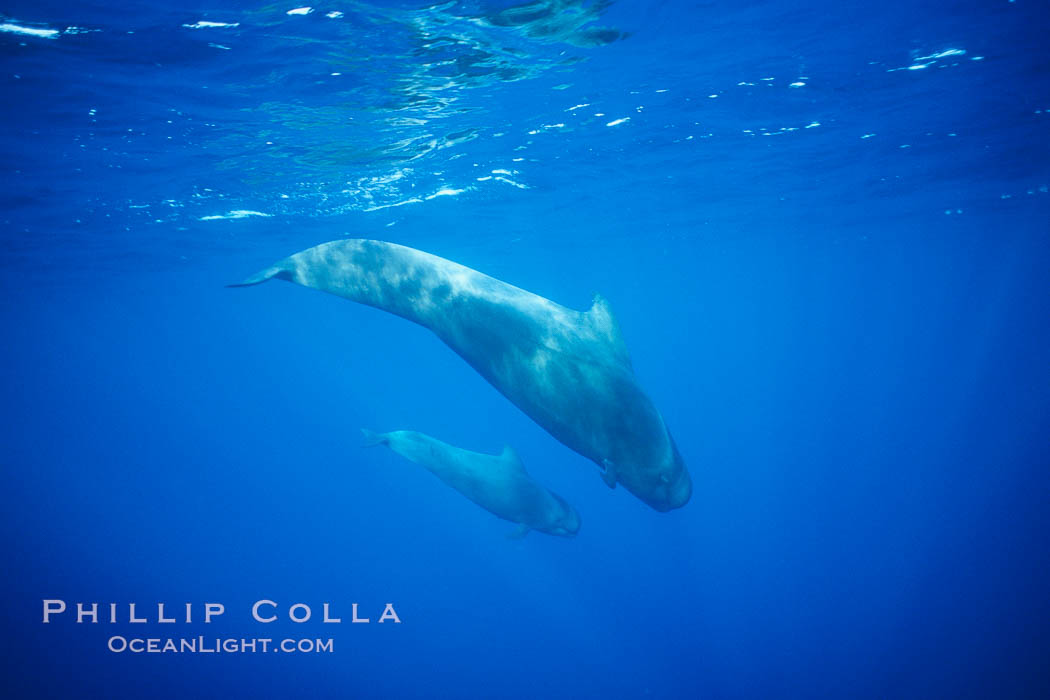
(604, 325)
(511, 457)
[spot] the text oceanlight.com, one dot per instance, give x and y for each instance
(216, 645)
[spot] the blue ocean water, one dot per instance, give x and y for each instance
(822, 227)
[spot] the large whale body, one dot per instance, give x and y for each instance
(497, 483)
(567, 370)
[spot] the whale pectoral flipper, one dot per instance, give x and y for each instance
(522, 530)
(609, 473)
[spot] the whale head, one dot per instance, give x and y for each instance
(565, 521)
(675, 486)
(656, 476)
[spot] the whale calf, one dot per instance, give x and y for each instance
(497, 483)
(567, 370)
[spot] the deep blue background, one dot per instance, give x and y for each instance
(848, 337)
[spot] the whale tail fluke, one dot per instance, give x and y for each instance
(373, 438)
(263, 275)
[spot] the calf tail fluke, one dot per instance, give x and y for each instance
(373, 438)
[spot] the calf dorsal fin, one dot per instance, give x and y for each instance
(511, 457)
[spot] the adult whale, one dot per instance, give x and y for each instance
(567, 370)
(497, 483)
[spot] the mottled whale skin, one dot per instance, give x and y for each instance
(567, 370)
(497, 483)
